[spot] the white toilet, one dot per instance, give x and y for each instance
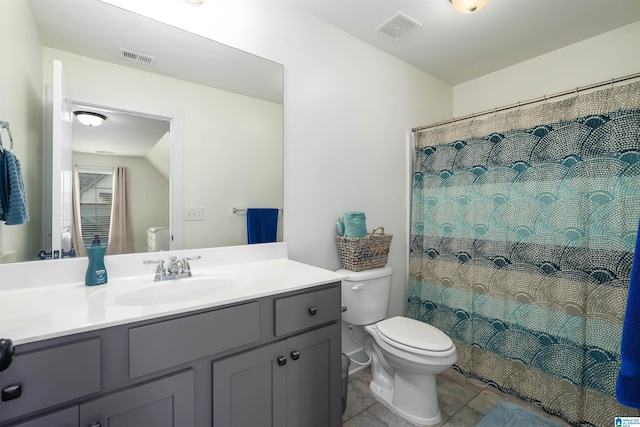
(406, 354)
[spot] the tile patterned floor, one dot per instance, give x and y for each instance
(463, 402)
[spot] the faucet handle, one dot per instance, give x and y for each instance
(160, 262)
(185, 263)
(160, 271)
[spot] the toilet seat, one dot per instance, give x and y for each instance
(413, 336)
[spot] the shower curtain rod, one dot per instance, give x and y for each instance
(529, 102)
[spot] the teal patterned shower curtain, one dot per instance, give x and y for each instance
(523, 228)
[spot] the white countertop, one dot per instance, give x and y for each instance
(36, 313)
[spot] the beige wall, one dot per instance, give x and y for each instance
(21, 105)
(609, 55)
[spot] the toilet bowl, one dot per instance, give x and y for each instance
(406, 354)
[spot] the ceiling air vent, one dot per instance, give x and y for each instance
(137, 57)
(398, 26)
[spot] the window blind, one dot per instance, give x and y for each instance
(96, 194)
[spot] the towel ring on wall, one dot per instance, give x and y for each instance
(5, 125)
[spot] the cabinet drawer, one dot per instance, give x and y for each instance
(174, 342)
(51, 376)
(303, 311)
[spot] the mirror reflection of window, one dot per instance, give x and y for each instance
(96, 196)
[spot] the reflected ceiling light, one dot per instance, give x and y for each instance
(89, 118)
(468, 6)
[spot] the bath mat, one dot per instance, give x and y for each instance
(509, 414)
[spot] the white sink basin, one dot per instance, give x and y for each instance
(177, 291)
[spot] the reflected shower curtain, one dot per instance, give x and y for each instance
(523, 227)
(76, 222)
(120, 229)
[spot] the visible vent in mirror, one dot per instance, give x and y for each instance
(137, 57)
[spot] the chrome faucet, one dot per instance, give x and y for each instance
(178, 268)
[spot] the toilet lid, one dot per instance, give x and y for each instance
(413, 333)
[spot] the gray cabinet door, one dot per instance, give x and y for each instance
(292, 383)
(249, 389)
(313, 379)
(167, 402)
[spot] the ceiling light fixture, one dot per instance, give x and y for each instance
(89, 118)
(468, 6)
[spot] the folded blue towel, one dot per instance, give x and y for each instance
(262, 225)
(14, 198)
(355, 224)
(340, 226)
(628, 384)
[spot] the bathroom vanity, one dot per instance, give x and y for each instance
(265, 352)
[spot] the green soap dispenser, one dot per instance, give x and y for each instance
(96, 272)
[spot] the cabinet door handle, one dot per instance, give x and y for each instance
(6, 353)
(95, 424)
(295, 355)
(282, 360)
(11, 392)
(313, 311)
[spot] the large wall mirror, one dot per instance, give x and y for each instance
(197, 124)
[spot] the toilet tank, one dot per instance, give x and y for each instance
(366, 295)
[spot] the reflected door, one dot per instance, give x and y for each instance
(58, 159)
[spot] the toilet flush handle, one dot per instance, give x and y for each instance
(358, 287)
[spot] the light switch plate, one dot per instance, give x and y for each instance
(194, 214)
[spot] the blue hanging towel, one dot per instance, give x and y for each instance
(14, 198)
(628, 384)
(4, 188)
(262, 225)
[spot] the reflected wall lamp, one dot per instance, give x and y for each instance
(89, 118)
(468, 6)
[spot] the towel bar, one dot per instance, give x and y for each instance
(236, 210)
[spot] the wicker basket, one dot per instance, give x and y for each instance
(364, 253)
